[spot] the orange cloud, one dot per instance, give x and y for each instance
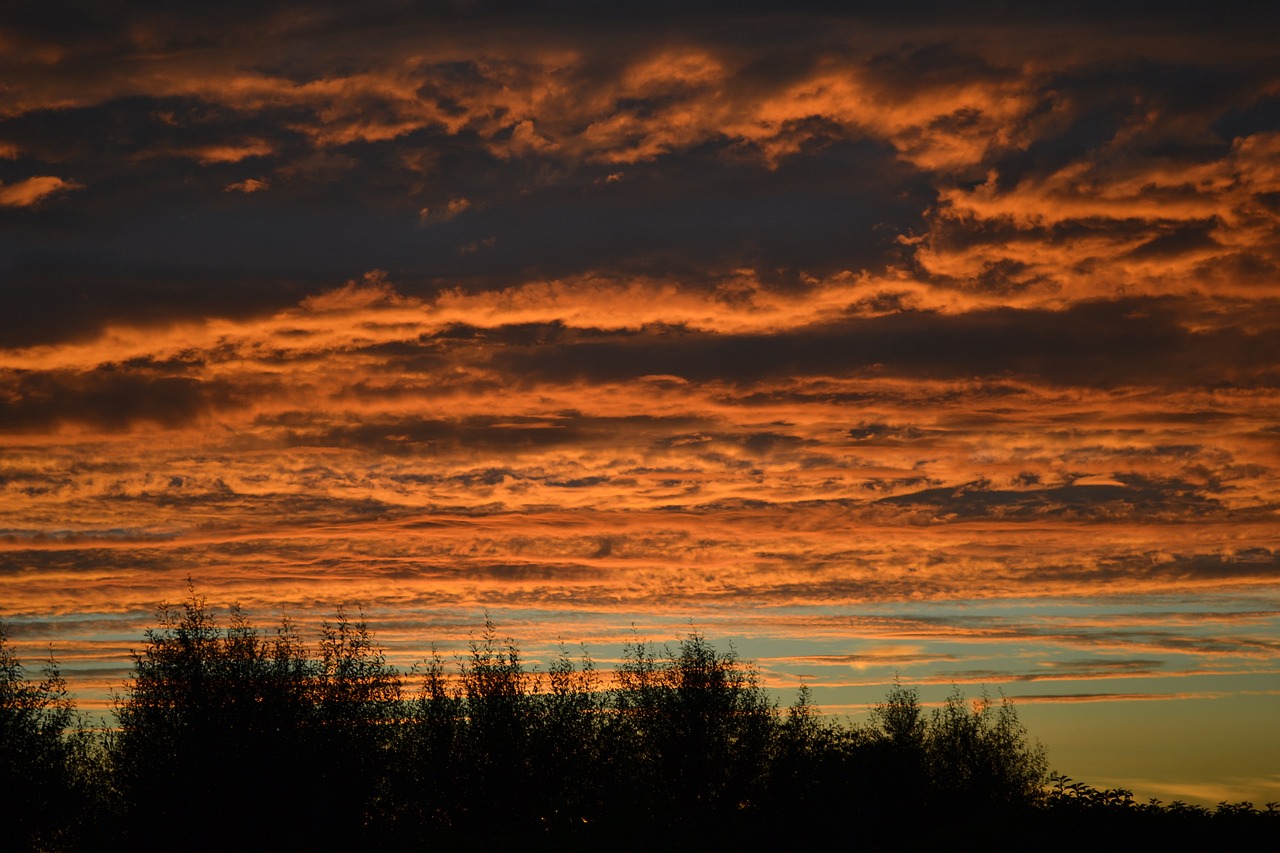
(249, 185)
(1138, 224)
(33, 191)
(452, 208)
(231, 153)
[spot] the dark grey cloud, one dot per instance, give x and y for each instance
(1098, 100)
(108, 398)
(1105, 664)
(857, 660)
(160, 239)
(1086, 670)
(55, 296)
(1257, 116)
(1258, 563)
(1095, 344)
(876, 433)
(1151, 502)
(696, 213)
(1193, 237)
(486, 432)
(1141, 499)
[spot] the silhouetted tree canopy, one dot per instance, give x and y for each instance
(226, 737)
(45, 755)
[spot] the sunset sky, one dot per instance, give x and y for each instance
(921, 341)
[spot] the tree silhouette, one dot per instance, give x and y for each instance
(423, 802)
(699, 727)
(356, 696)
(979, 757)
(813, 772)
(205, 711)
(227, 737)
(209, 710)
(46, 757)
(960, 764)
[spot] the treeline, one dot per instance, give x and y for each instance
(229, 738)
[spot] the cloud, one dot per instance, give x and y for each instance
(1094, 502)
(1055, 698)
(510, 433)
(452, 208)
(106, 398)
(1099, 344)
(856, 148)
(232, 153)
(33, 191)
(249, 185)
(883, 657)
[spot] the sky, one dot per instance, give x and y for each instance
(906, 340)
